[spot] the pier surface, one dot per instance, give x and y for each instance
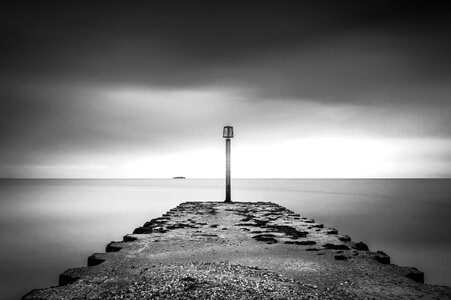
(259, 250)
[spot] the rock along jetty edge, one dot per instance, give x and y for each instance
(241, 250)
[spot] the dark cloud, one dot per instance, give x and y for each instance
(210, 42)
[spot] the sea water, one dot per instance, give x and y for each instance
(47, 226)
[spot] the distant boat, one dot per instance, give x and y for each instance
(178, 177)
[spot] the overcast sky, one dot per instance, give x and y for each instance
(122, 89)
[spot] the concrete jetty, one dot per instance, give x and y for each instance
(241, 250)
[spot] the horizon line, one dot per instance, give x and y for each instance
(212, 178)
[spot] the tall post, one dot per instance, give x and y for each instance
(227, 133)
(228, 198)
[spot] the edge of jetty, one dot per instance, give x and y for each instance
(241, 250)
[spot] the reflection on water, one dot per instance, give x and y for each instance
(48, 226)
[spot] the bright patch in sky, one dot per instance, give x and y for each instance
(304, 158)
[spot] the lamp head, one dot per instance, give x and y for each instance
(227, 133)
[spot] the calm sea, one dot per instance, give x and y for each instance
(47, 226)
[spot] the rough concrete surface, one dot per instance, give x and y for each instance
(259, 250)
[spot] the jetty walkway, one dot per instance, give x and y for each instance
(241, 250)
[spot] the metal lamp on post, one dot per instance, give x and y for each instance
(228, 134)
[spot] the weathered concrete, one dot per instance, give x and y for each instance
(214, 250)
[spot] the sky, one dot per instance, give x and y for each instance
(320, 89)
